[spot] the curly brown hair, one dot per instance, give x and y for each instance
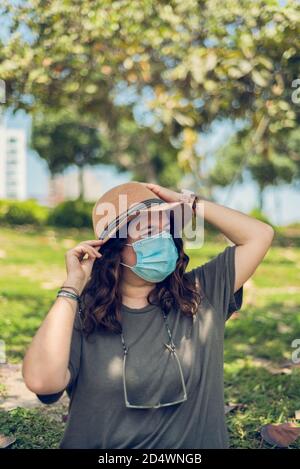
(101, 299)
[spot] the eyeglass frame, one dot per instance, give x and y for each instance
(171, 347)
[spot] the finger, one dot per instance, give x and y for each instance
(154, 187)
(80, 251)
(93, 242)
(86, 249)
(95, 250)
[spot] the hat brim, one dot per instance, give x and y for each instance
(182, 215)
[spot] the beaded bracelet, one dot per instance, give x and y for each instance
(68, 294)
(73, 288)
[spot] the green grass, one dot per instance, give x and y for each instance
(32, 428)
(32, 268)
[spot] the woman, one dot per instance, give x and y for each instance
(142, 359)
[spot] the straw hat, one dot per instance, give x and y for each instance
(126, 201)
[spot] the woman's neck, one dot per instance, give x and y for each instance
(135, 295)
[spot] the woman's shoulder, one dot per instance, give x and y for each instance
(215, 278)
(193, 276)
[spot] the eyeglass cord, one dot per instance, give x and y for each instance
(170, 346)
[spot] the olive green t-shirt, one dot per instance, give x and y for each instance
(98, 417)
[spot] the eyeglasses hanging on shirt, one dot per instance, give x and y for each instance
(167, 391)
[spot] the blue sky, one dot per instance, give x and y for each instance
(281, 204)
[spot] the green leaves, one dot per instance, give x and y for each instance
(238, 59)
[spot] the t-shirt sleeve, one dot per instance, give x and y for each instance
(74, 362)
(217, 277)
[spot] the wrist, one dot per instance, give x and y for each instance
(77, 283)
(190, 197)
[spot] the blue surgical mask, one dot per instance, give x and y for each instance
(156, 257)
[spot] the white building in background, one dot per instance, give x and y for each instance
(13, 169)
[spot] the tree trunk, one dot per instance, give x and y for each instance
(151, 174)
(261, 198)
(81, 182)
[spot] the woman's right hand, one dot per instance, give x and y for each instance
(78, 268)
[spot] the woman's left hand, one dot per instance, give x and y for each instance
(165, 194)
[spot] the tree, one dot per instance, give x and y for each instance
(271, 162)
(63, 141)
(200, 60)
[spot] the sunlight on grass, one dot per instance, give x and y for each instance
(32, 268)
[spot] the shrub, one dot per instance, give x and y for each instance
(72, 213)
(15, 212)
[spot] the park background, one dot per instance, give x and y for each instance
(200, 94)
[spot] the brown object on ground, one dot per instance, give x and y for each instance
(281, 435)
(230, 407)
(6, 441)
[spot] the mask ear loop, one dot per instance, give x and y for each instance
(126, 265)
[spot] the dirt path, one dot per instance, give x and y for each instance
(14, 393)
